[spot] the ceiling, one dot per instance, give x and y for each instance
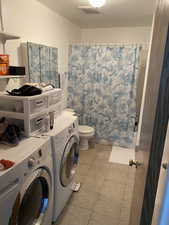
(113, 13)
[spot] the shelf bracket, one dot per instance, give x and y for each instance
(1, 16)
(3, 46)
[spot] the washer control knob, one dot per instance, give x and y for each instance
(31, 163)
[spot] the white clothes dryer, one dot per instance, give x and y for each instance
(26, 189)
(65, 145)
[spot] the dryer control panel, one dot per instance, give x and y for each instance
(39, 156)
(31, 163)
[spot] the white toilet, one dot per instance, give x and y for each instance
(85, 133)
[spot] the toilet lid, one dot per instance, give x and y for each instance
(86, 129)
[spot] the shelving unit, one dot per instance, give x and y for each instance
(16, 115)
(4, 36)
(12, 76)
(22, 116)
(30, 112)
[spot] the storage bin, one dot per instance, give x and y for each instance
(30, 105)
(37, 124)
(30, 113)
(55, 97)
(11, 106)
(30, 127)
(38, 104)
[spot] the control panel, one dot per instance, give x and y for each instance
(38, 156)
(31, 163)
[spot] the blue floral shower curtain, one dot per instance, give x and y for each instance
(102, 89)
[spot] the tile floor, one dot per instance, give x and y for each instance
(105, 194)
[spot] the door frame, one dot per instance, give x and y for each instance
(153, 123)
(158, 141)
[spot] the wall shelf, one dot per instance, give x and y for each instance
(4, 36)
(12, 76)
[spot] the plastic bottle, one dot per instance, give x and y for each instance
(47, 123)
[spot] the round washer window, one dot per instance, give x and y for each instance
(67, 170)
(30, 210)
(34, 202)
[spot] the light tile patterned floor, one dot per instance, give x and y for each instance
(105, 194)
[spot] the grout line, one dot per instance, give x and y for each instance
(91, 211)
(90, 217)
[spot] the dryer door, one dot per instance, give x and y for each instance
(32, 202)
(69, 161)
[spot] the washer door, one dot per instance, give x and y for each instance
(69, 161)
(33, 200)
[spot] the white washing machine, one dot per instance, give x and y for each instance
(26, 189)
(65, 145)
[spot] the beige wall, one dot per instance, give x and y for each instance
(117, 34)
(34, 22)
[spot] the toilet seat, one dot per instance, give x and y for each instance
(86, 131)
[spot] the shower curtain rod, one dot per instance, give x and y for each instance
(109, 44)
